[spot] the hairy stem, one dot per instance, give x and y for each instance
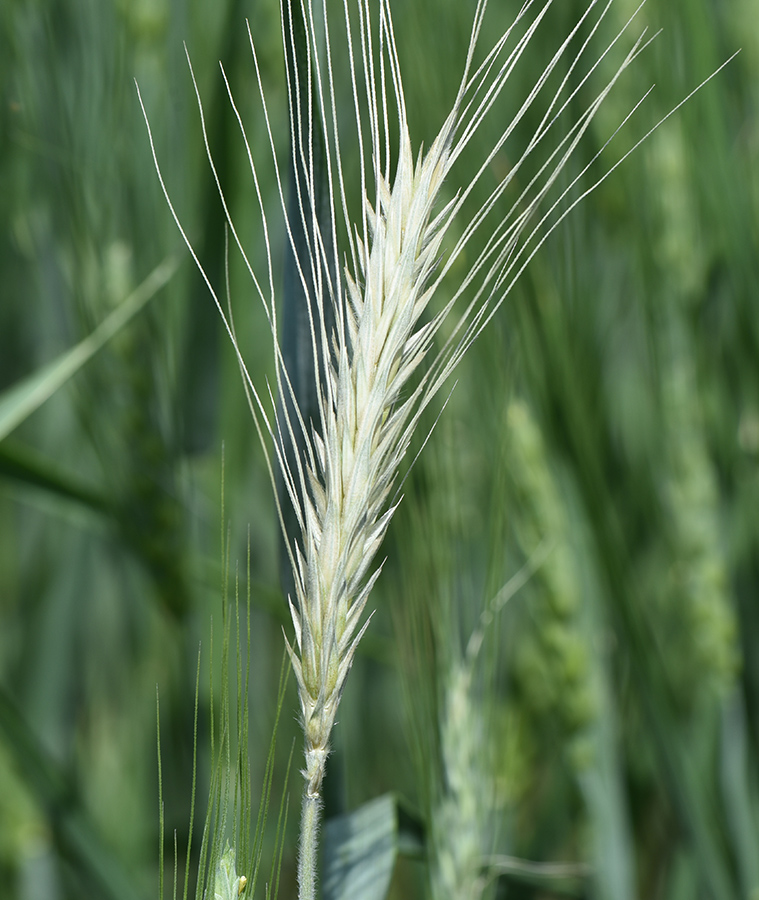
(309, 846)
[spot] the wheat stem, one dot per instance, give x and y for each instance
(309, 847)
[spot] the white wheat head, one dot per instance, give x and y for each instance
(380, 366)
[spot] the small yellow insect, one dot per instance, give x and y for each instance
(241, 886)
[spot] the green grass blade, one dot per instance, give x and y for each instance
(739, 792)
(17, 403)
(24, 465)
(161, 820)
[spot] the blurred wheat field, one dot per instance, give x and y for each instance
(560, 687)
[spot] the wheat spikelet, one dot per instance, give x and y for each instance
(460, 832)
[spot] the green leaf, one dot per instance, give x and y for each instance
(602, 781)
(360, 850)
(25, 465)
(739, 794)
(17, 403)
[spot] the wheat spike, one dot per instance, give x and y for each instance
(377, 370)
(344, 484)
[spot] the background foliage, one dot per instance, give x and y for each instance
(603, 441)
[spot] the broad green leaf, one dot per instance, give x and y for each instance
(20, 401)
(360, 850)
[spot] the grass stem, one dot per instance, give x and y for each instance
(307, 857)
